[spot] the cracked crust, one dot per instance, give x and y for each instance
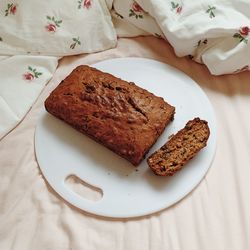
(181, 148)
(118, 114)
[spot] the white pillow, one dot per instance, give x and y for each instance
(22, 80)
(57, 27)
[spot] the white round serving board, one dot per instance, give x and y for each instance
(62, 151)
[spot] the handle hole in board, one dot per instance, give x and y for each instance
(83, 188)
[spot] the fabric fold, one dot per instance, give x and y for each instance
(215, 34)
(22, 80)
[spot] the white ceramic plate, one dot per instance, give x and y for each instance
(62, 151)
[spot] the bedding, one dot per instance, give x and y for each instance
(41, 43)
(213, 216)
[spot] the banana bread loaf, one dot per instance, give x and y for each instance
(118, 114)
(181, 147)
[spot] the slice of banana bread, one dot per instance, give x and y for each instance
(181, 147)
(123, 117)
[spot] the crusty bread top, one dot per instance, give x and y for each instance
(118, 114)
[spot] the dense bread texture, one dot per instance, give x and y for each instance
(181, 147)
(118, 114)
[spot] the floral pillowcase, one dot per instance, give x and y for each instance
(57, 27)
(215, 33)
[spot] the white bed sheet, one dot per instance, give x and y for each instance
(214, 216)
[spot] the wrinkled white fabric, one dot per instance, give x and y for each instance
(213, 216)
(215, 33)
(46, 30)
(22, 80)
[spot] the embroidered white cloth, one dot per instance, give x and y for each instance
(20, 86)
(215, 33)
(36, 33)
(215, 216)
(55, 28)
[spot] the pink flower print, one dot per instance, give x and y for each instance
(177, 7)
(31, 74)
(242, 34)
(84, 4)
(51, 28)
(87, 4)
(244, 31)
(28, 76)
(53, 24)
(11, 9)
(136, 10)
(136, 7)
